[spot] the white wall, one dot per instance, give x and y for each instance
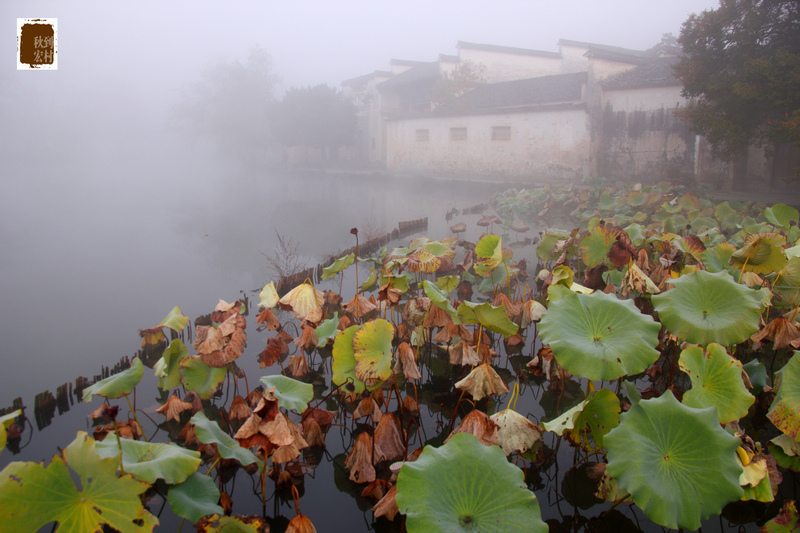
(506, 67)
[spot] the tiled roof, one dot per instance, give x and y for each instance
(421, 72)
(656, 72)
(532, 91)
(359, 80)
(406, 62)
(507, 50)
(602, 47)
(449, 58)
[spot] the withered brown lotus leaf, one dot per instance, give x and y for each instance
(223, 306)
(225, 502)
(332, 299)
(249, 435)
(271, 354)
(359, 306)
(152, 336)
(486, 354)
(219, 346)
(482, 381)
(368, 407)
(307, 340)
(389, 440)
(463, 354)
(285, 339)
(515, 340)
(254, 397)
(239, 409)
(437, 317)
(387, 506)
(479, 424)
(545, 364)
(300, 524)
(324, 418)
(194, 399)
(407, 361)
(780, 331)
(268, 317)
(513, 309)
(411, 405)
(593, 277)
(298, 365)
(303, 299)
(344, 323)
(284, 454)
(99, 413)
(389, 294)
(515, 432)
(313, 318)
(267, 407)
(173, 408)
(376, 490)
(643, 261)
(415, 310)
(464, 290)
(277, 431)
(208, 339)
(188, 435)
(313, 433)
(359, 460)
(447, 333)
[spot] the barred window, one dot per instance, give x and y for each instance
(422, 135)
(501, 133)
(458, 134)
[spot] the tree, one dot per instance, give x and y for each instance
(319, 117)
(228, 105)
(742, 64)
(460, 80)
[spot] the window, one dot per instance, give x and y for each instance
(422, 135)
(458, 134)
(501, 133)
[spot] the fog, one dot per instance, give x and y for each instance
(111, 212)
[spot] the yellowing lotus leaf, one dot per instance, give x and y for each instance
(268, 297)
(515, 433)
(303, 299)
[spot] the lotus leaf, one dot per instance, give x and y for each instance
(785, 409)
(337, 266)
(230, 524)
(201, 378)
(344, 361)
(676, 461)
(5, 421)
(327, 330)
(117, 385)
(291, 394)
(209, 432)
(782, 215)
(785, 522)
(599, 413)
(167, 369)
(149, 461)
(595, 246)
(175, 320)
(544, 250)
(303, 299)
(515, 433)
(786, 284)
(490, 253)
(466, 486)
(762, 253)
(482, 381)
(598, 336)
(33, 495)
(372, 350)
(439, 249)
(268, 297)
(490, 317)
(716, 382)
(372, 279)
(195, 497)
(703, 308)
(439, 298)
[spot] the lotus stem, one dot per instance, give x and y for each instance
(119, 445)
(616, 503)
(213, 464)
(181, 526)
(746, 259)
(296, 498)
(135, 419)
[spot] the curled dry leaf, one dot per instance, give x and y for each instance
(387, 506)
(301, 524)
(173, 408)
(239, 409)
(513, 309)
(359, 306)
(389, 439)
(303, 299)
(268, 317)
(463, 354)
(780, 331)
(219, 346)
(359, 460)
(437, 317)
(298, 366)
(407, 361)
(515, 433)
(312, 433)
(307, 340)
(389, 294)
(377, 489)
(479, 424)
(368, 407)
(482, 381)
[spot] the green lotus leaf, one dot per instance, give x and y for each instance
(118, 385)
(703, 308)
(671, 208)
(606, 202)
(372, 279)
(439, 249)
(439, 298)
(786, 284)
(5, 421)
(372, 350)
(492, 318)
(233, 524)
(327, 330)
(718, 258)
(676, 461)
(786, 451)
(195, 497)
(209, 432)
(175, 320)
(33, 495)
(464, 486)
(762, 253)
(448, 283)
(598, 336)
(785, 522)
(728, 217)
(291, 394)
(268, 297)
(149, 461)
(398, 281)
(337, 266)
(782, 215)
(716, 382)
(757, 373)
(635, 198)
(344, 361)
(497, 278)
(785, 409)
(595, 246)
(637, 233)
(201, 378)
(422, 261)
(689, 202)
(550, 238)
(167, 368)
(596, 415)
(490, 254)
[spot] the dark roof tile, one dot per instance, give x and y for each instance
(656, 72)
(532, 91)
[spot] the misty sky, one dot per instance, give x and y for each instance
(161, 45)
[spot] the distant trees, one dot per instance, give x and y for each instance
(319, 117)
(446, 92)
(742, 63)
(228, 106)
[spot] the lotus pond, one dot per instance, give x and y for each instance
(629, 367)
